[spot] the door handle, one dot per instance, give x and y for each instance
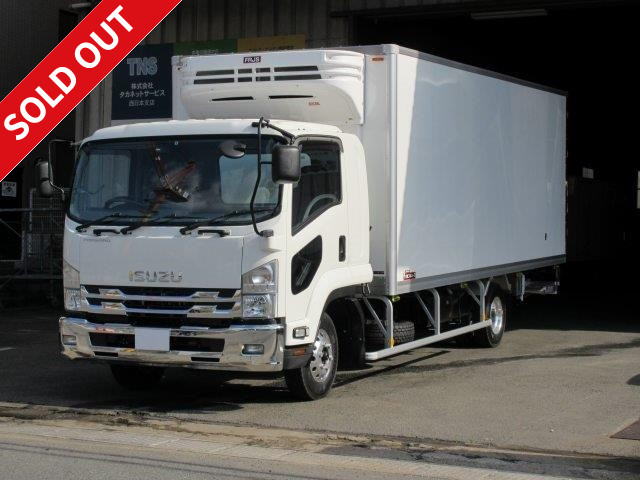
(342, 248)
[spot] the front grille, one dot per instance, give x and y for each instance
(182, 344)
(159, 302)
(154, 321)
(178, 306)
(175, 305)
(185, 344)
(161, 292)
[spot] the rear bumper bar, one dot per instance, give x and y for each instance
(230, 358)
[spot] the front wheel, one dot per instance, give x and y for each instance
(314, 380)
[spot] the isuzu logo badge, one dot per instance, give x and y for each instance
(155, 276)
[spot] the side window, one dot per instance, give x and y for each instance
(304, 265)
(319, 185)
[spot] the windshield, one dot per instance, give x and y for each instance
(176, 180)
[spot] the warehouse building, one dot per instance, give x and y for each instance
(30, 227)
(584, 47)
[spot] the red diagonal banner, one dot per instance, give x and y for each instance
(69, 73)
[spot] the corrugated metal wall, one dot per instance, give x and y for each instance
(25, 39)
(197, 20)
(23, 43)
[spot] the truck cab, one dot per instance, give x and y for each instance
(163, 265)
(182, 245)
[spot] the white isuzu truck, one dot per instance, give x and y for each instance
(309, 207)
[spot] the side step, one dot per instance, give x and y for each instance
(388, 352)
(477, 291)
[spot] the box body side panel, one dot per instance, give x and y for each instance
(480, 172)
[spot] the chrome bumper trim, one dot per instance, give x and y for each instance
(198, 305)
(230, 359)
(198, 311)
(108, 294)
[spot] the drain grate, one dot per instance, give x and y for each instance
(632, 432)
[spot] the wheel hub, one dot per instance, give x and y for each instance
(496, 313)
(321, 363)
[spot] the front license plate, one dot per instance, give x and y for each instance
(156, 339)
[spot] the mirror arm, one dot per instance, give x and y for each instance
(265, 123)
(63, 191)
(265, 233)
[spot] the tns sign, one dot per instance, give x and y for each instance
(141, 86)
(142, 66)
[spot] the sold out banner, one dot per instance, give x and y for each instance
(69, 73)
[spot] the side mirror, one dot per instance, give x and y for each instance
(44, 178)
(56, 173)
(285, 164)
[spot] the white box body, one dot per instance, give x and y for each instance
(466, 171)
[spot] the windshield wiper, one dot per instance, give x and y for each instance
(214, 220)
(107, 219)
(154, 222)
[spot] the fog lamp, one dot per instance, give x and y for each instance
(253, 349)
(69, 340)
(300, 332)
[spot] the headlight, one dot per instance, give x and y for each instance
(71, 282)
(258, 306)
(259, 288)
(263, 279)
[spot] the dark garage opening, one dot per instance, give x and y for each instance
(586, 49)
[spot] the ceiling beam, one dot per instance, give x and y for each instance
(480, 6)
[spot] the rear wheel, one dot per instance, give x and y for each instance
(137, 377)
(314, 380)
(496, 309)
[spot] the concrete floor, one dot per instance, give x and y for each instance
(565, 378)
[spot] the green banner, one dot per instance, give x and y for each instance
(206, 48)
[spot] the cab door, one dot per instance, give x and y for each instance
(318, 229)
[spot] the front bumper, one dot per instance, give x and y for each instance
(229, 358)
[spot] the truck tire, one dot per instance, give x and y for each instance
(314, 380)
(496, 308)
(137, 377)
(403, 332)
